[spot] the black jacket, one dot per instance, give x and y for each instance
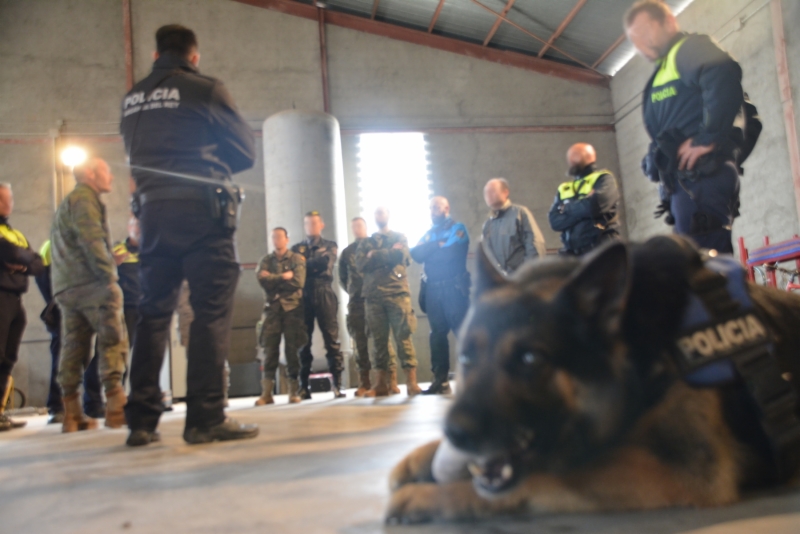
(177, 120)
(587, 221)
(11, 254)
(320, 255)
(704, 99)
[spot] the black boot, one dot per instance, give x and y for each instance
(140, 438)
(228, 430)
(305, 384)
(337, 386)
(439, 386)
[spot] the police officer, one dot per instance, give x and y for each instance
(86, 290)
(689, 106)
(185, 139)
(511, 233)
(126, 256)
(282, 275)
(17, 263)
(585, 208)
(382, 260)
(445, 292)
(319, 302)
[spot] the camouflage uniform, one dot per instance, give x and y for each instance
(85, 287)
(283, 312)
(388, 299)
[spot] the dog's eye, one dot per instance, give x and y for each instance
(529, 358)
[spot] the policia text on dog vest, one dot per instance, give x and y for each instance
(724, 341)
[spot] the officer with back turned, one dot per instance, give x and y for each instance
(185, 139)
(690, 105)
(319, 302)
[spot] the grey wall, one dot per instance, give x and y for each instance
(270, 62)
(767, 193)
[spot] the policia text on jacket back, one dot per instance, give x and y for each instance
(177, 121)
(690, 105)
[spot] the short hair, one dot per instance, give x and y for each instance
(656, 9)
(281, 229)
(175, 38)
(503, 183)
(314, 213)
(362, 219)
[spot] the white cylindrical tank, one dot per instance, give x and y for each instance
(303, 172)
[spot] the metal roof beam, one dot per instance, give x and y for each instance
(375, 8)
(562, 27)
(436, 16)
(499, 21)
(423, 38)
(610, 49)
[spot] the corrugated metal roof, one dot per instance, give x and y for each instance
(595, 28)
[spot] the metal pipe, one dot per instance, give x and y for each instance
(127, 31)
(323, 59)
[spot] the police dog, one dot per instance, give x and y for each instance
(569, 400)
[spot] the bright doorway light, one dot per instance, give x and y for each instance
(393, 172)
(73, 156)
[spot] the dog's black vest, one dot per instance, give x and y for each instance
(724, 341)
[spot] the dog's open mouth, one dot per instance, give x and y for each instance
(501, 472)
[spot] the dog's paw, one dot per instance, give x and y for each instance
(422, 503)
(416, 467)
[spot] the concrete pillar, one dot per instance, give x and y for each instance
(303, 172)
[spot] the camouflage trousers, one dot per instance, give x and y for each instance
(359, 333)
(392, 314)
(289, 324)
(86, 311)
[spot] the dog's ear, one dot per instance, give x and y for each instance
(599, 288)
(488, 276)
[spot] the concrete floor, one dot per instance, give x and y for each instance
(316, 467)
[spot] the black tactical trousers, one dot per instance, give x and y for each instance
(181, 240)
(446, 305)
(704, 208)
(320, 304)
(12, 326)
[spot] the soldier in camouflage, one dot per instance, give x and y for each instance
(89, 297)
(382, 260)
(282, 275)
(319, 302)
(352, 282)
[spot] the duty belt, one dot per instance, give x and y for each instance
(174, 193)
(724, 341)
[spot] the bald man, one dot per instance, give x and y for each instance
(585, 208)
(84, 275)
(511, 232)
(444, 296)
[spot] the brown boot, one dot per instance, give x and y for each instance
(294, 387)
(393, 389)
(266, 393)
(115, 404)
(411, 382)
(364, 384)
(381, 387)
(74, 418)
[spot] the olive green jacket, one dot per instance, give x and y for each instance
(81, 242)
(385, 271)
(286, 293)
(349, 277)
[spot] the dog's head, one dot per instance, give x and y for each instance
(543, 366)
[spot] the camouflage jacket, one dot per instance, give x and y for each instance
(385, 271)
(349, 277)
(287, 293)
(320, 255)
(81, 242)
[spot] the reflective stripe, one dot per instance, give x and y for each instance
(580, 188)
(132, 257)
(44, 252)
(668, 70)
(14, 237)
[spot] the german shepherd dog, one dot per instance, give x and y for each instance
(569, 401)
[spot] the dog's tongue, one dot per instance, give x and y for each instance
(494, 474)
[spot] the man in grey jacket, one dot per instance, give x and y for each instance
(510, 231)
